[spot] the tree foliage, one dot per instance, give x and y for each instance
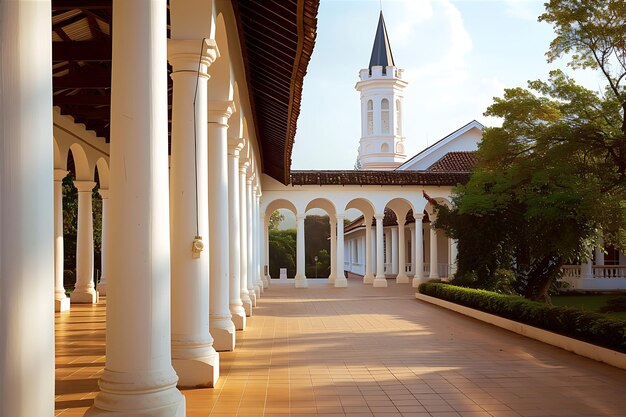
(552, 179)
(276, 218)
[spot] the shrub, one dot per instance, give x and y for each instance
(587, 326)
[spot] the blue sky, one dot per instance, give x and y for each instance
(457, 55)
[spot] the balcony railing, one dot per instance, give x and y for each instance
(598, 271)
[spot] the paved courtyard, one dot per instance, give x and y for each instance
(363, 351)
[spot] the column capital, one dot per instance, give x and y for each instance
(59, 174)
(250, 178)
(235, 145)
(84, 186)
(220, 111)
(104, 193)
(340, 216)
(379, 216)
(243, 165)
(184, 55)
(418, 216)
(300, 217)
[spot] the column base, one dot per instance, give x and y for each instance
(84, 297)
(332, 278)
(238, 314)
(341, 282)
(368, 279)
(300, 281)
(252, 296)
(402, 279)
(380, 282)
(197, 372)
(102, 288)
(266, 282)
(417, 281)
(223, 338)
(62, 305)
(177, 410)
(257, 291)
(151, 394)
(247, 306)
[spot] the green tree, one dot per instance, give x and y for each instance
(282, 245)
(552, 179)
(275, 220)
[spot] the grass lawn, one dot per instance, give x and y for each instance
(587, 302)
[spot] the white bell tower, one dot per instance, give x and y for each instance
(381, 86)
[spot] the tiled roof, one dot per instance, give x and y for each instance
(355, 177)
(455, 162)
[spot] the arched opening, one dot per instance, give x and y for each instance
(282, 235)
(384, 116)
(359, 245)
(384, 147)
(318, 231)
(399, 240)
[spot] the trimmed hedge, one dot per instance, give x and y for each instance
(595, 328)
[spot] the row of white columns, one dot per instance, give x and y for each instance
(171, 303)
(84, 290)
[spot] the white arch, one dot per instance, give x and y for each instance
(280, 203)
(103, 173)
(84, 172)
(324, 204)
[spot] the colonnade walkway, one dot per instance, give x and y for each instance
(363, 351)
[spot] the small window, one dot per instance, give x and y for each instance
(370, 117)
(384, 106)
(384, 147)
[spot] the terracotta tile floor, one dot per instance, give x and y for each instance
(364, 351)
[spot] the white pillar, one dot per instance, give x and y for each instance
(249, 237)
(340, 279)
(412, 241)
(84, 291)
(266, 252)
(402, 277)
(368, 278)
(26, 210)
(453, 255)
(374, 254)
(254, 235)
(234, 267)
(104, 243)
(394, 250)
(193, 356)
(61, 301)
(386, 251)
(258, 241)
(138, 377)
(220, 321)
(380, 280)
(243, 237)
(333, 251)
(434, 260)
(418, 254)
(301, 281)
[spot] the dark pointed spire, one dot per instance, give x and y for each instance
(381, 52)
